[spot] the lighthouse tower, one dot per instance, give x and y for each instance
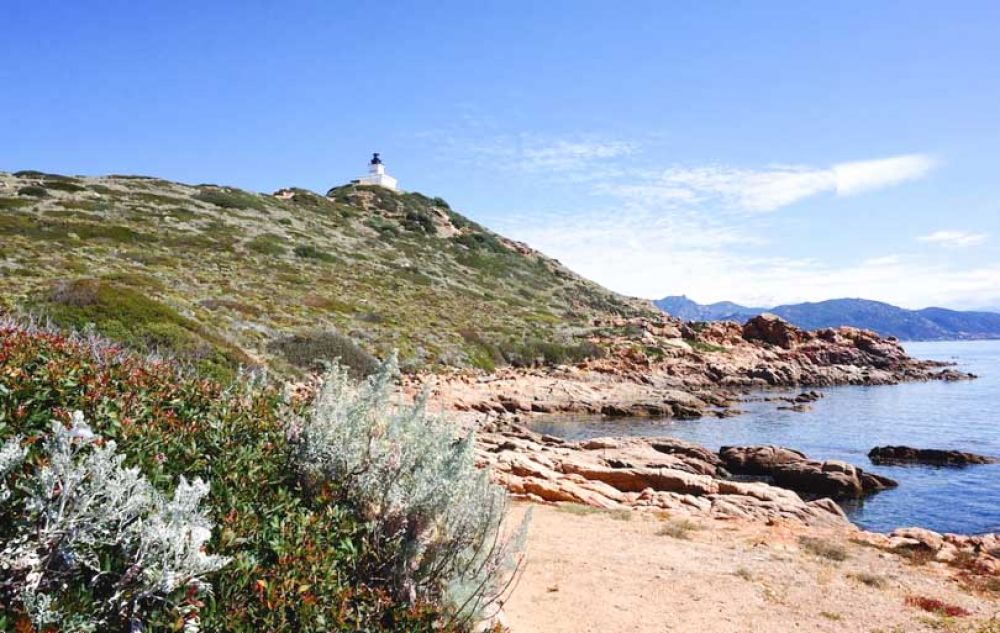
(377, 176)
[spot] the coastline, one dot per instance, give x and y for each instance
(601, 490)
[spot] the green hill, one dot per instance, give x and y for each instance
(225, 277)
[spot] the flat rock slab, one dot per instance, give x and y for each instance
(926, 456)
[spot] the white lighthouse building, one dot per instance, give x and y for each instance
(377, 176)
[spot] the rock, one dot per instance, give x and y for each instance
(928, 456)
(757, 460)
(772, 329)
(931, 540)
(791, 469)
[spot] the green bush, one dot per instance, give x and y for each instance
(309, 350)
(533, 352)
(308, 251)
(67, 185)
(267, 244)
(228, 198)
(34, 191)
(141, 322)
(14, 203)
(295, 553)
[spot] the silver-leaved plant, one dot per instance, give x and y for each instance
(83, 508)
(436, 519)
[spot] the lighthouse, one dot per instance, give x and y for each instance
(377, 176)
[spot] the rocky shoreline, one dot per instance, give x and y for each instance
(698, 370)
(681, 479)
(668, 368)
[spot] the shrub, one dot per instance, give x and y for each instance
(420, 221)
(91, 544)
(34, 191)
(533, 352)
(308, 251)
(872, 580)
(933, 605)
(228, 198)
(14, 203)
(267, 245)
(295, 557)
(679, 529)
(64, 185)
(308, 350)
(433, 520)
(141, 322)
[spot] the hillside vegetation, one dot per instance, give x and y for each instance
(226, 277)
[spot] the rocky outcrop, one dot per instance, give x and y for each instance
(637, 473)
(791, 469)
(976, 556)
(927, 456)
(773, 330)
(665, 368)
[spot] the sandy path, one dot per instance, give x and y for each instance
(593, 571)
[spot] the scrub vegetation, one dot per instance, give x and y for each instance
(137, 494)
(220, 276)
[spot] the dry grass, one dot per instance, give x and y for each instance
(824, 548)
(872, 580)
(679, 528)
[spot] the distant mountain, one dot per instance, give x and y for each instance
(928, 324)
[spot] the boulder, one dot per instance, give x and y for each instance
(772, 329)
(757, 460)
(928, 456)
(791, 469)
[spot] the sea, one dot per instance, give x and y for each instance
(850, 421)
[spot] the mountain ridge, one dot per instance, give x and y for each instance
(927, 324)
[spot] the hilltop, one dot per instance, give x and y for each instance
(227, 277)
(928, 324)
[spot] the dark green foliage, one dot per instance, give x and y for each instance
(34, 191)
(308, 251)
(267, 244)
(64, 185)
(532, 352)
(487, 354)
(14, 203)
(31, 173)
(134, 318)
(419, 220)
(309, 350)
(383, 226)
(229, 198)
(295, 554)
(65, 230)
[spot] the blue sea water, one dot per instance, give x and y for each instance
(849, 421)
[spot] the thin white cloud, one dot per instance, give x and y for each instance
(954, 239)
(564, 155)
(862, 176)
(767, 189)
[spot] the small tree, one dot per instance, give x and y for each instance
(434, 521)
(90, 545)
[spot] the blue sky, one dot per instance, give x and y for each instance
(762, 152)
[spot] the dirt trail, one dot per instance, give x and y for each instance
(618, 572)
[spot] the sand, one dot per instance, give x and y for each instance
(597, 571)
